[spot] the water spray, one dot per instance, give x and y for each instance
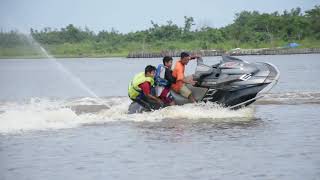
(62, 68)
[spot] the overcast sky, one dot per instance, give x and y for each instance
(131, 15)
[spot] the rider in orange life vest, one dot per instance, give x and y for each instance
(181, 80)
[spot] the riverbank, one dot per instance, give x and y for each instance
(233, 52)
(155, 49)
(63, 56)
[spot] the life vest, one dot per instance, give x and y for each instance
(134, 90)
(160, 76)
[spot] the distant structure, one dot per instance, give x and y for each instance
(233, 52)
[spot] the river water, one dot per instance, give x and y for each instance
(52, 128)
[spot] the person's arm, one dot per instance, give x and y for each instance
(154, 98)
(189, 80)
(181, 77)
(169, 77)
(145, 87)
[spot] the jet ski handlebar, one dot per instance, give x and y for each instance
(199, 60)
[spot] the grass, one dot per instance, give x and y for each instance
(122, 49)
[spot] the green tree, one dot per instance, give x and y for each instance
(313, 16)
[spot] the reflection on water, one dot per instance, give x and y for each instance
(175, 130)
(281, 142)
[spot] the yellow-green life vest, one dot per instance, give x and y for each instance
(134, 90)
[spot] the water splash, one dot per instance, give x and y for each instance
(43, 114)
(77, 81)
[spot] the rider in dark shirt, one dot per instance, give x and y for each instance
(165, 80)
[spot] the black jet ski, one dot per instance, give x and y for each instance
(232, 83)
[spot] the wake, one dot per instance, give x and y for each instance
(44, 114)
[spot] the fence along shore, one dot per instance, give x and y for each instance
(234, 52)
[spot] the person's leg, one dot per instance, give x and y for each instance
(150, 103)
(172, 103)
(166, 96)
(143, 103)
(192, 98)
(186, 92)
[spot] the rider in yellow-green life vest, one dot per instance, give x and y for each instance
(140, 89)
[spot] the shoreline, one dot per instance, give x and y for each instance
(233, 52)
(60, 57)
(204, 53)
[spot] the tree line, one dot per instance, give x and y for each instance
(252, 28)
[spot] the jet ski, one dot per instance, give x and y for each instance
(232, 83)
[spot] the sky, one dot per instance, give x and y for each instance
(131, 15)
